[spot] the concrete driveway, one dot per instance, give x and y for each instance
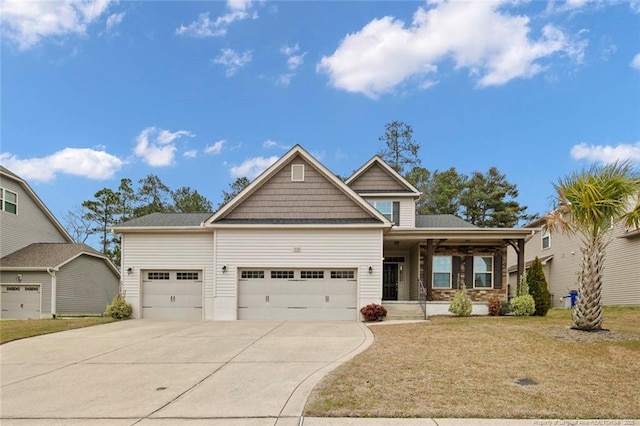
(167, 372)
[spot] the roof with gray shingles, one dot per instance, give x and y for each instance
(166, 219)
(298, 221)
(441, 221)
(45, 255)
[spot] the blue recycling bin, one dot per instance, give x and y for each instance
(574, 297)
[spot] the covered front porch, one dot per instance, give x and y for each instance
(428, 266)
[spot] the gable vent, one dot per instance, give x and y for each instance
(297, 172)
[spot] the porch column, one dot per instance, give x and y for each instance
(520, 262)
(428, 266)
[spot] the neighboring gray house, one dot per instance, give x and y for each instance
(561, 259)
(299, 243)
(43, 273)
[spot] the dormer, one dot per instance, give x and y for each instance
(386, 190)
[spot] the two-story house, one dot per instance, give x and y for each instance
(43, 273)
(561, 258)
(299, 243)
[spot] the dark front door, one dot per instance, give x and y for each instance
(390, 281)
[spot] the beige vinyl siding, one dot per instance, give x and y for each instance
(86, 285)
(313, 198)
(375, 178)
(29, 225)
(621, 276)
(171, 251)
(622, 270)
(42, 278)
(300, 248)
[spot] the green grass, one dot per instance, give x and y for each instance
(21, 329)
(468, 368)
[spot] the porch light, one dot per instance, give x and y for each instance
(129, 270)
(224, 269)
(370, 270)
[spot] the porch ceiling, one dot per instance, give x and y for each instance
(405, 239)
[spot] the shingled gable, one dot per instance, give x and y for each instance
(377, 177)
(281, 196)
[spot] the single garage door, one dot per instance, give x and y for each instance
(172, 295)
(20, 301)
(298, 294)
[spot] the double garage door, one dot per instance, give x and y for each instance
(172, 294)
(20, 301)
(297, 294)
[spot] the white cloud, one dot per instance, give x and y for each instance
(85, 162)
(606, 153)
(285, 79)
(386, 53)
(635, 6)
(294, 62)
(238, 10)
(635, 62)
(190, 154)
(155, 146)
(113, 21)
(232, 61)
(273, 144)
(216, 148)
(26, 23)
(289, 50)
(252, 167)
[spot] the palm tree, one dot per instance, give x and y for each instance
(589, 203)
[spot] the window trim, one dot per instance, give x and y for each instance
(434, 272)
(374, 204)
(491, 272)
(297, 173)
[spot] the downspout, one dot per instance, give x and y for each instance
(54, 285)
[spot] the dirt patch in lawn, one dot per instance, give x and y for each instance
(485, 367)
(572, 335)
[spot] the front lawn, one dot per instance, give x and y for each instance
(20, 329)
(469, 367)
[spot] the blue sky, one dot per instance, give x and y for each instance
(199, 93)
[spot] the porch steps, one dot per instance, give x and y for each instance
(403, 310)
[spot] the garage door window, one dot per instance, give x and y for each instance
(246, 275)
(311, 275)
(192, 276)
(343, 275)
(287, 275)
(158, 275)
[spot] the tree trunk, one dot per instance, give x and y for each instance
(587, 314)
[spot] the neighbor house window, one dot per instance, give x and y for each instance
(441, 272)
(8, 201)
(546, 240)
(482, 271)
(384, 207)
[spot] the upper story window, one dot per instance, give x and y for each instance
(8, 201)
(546, 240)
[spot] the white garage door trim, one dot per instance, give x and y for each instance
(297, 293)
(172, 294)
(21, 300)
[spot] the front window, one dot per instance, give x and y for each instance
(384, 207)
(482, 271)
(441, 272)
